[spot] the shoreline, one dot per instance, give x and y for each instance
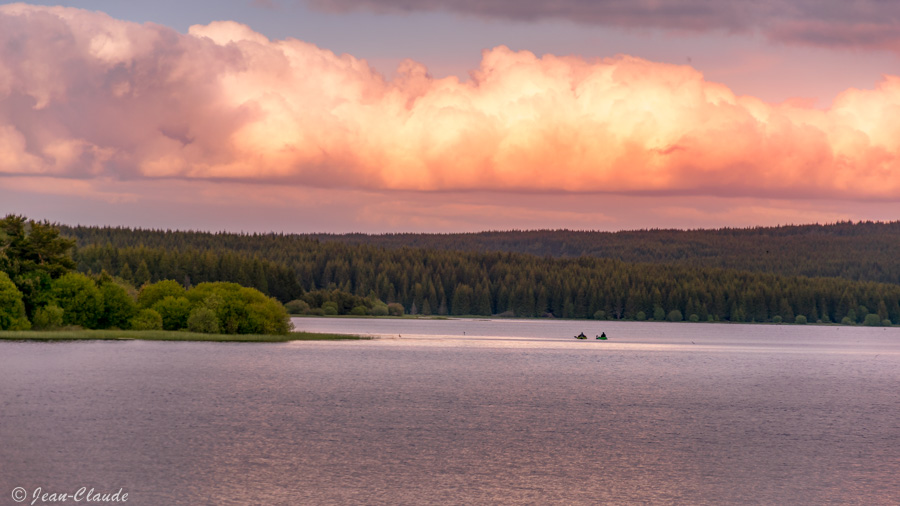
(167, 335)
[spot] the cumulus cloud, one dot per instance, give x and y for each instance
(86, 96)
(858, 23)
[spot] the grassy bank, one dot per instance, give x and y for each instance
(164, 335)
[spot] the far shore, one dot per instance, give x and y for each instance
(166, 335)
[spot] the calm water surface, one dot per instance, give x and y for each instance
(463, 411)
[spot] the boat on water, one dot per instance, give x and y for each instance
(581, 336)
(602, 336)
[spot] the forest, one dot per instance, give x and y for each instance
(40, 290)
(844, 273)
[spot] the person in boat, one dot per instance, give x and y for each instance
(581, 336)
(602, 336)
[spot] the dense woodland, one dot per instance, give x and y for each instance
(40, 290)
(718, 275)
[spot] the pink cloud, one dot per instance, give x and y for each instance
(86, 96)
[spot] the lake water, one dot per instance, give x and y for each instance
(463, 412)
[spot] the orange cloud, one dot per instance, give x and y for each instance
(83, 95)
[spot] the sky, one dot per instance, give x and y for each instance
(450, 115)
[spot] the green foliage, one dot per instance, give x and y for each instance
(599, 314)
(297, 306)
(12, 308)
(203, 320)
(694, 317)
(118, 305)
(152, 293)
(719, 275)
(846, 321)
(80, 299)
(32, 254)
(659, 314)
(641, 316)
(146, 319)
(174, 311)
(872, 320)
(359, 311)
(886, 322)
(675, 316)
(776, 319)
(800, 319)
(48, 318)
(395, 309)
(380, 309)
(241, 310)
(330, 308)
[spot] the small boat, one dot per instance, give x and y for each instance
(581, 336)
(602, 336)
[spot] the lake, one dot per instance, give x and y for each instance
(463, 412)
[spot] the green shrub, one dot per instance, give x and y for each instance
(297, 306)
(153, 293)
(80, 299)
(675, 316)
(872, 320)
(694, 318)
(118, 305)
(48, 317)
(241, 310)
(800, 319)
(12, 307)
(330, 308)
(203, 319)
(359, 311)
(600, 315)
(395, 309)
(886, 322)
(380, 309)
(641, 316)
(174, 311)
(776, 319)
(147, 319)
(846, 321)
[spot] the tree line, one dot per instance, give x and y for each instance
(448, 281)
(40, 289)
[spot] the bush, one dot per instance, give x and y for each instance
(174, 312)
(600, 315)
(872, 320)
(776, 319)
(886, 322)
(297, 306)
(800, 319)
(659, 314)
(395, 309)
(846, 321)
(641, 316)
(147, 319)
(694, 318)
(153, 293)
(80, 299)
(359, 311)
(241, 310)
(118, 305)
(203, 319)
(675, 316)
(48, 317)
(330, 308)
(380, 309)
(12, 307)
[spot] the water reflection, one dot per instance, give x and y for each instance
(672, 414)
